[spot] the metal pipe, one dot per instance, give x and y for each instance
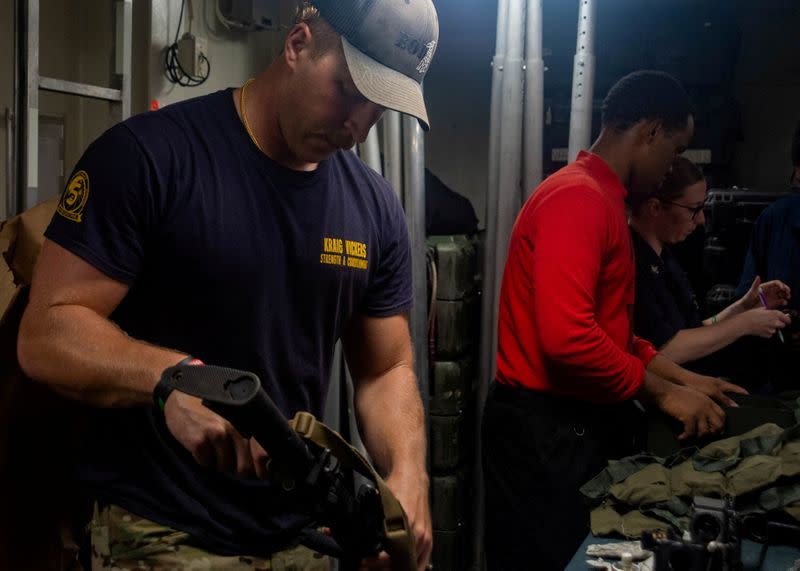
(10, 187)
(414, 203)
(370, 151)
(509, 191)
(580, 117)
(491, 269)
(533, 112)
(392, 165)
(125, 44)
(80, 89)
(486, 369)
(28, 118)
(13, 191)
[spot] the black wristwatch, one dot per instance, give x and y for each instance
(162, 390)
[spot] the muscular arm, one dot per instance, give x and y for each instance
(390, 414)
(67, 342)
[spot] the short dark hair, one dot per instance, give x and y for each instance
(325, 37)
(796, 146)
(644, 95)
(684, 174)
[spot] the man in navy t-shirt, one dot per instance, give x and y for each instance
(238, 229)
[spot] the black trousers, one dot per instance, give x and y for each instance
(538, 450)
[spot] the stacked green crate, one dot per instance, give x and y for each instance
(452, 398)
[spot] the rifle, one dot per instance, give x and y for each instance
(312, 463)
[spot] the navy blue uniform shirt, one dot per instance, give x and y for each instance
(665, 301)
(239, 262)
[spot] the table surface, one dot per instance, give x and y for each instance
(779, 557)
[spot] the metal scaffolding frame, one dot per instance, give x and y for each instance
(28, 83)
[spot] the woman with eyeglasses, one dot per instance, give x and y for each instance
(666, 312)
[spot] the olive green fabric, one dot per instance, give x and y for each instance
(610, 519)
(760, 468)
(648, 486)
(617, 471)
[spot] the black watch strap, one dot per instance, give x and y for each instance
(162, 390)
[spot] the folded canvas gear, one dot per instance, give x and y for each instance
(761, 469)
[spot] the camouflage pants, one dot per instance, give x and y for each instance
(122, 541)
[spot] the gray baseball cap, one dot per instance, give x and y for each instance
(388, 45)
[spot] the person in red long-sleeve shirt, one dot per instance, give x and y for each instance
(568, 365)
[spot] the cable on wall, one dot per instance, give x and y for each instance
(191, 52)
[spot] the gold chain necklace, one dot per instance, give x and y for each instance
(244, 115)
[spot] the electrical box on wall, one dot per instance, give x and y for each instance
(252, 15)
(191, 51)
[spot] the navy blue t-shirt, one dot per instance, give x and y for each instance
(665, 301)
(239, 262)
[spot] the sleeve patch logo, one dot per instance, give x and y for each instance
(344, 253)
(73, 201)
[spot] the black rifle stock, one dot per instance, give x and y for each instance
(315, 477)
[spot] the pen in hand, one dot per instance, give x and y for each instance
(763, 299)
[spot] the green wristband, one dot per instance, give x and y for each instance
(162, 391)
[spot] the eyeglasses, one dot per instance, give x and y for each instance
(695, 210)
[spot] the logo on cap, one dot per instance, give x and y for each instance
(426, 61)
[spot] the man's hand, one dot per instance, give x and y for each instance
(412, 493)
(209, 438)
(662, 370)
(714, 388)
(698, 413)
(260, 459)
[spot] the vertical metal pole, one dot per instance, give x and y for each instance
(580, 118)
(533, 123)
(509, 192)
(28, 117)
(414, 203)
(124, 34)
(498, 65)
(392, 166)
(492, 268)
(11, 189)
(370, 151)
(486, 369)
